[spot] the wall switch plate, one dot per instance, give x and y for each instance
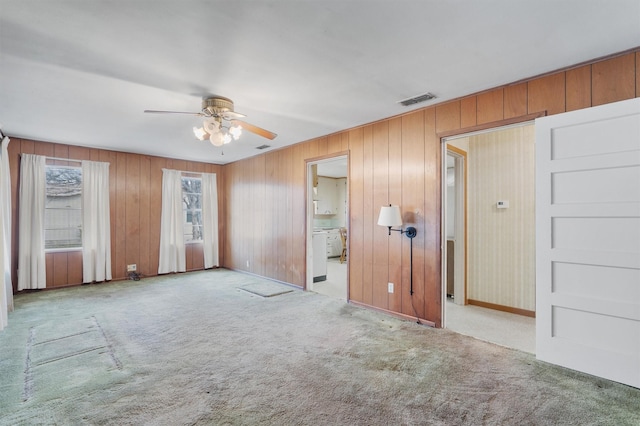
(131, 268)
(502, 204)
(390, 287)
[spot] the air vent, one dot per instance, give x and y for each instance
(263, 147)
(417, 99)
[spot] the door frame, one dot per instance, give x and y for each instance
(308, 284)
(455, 134)
(460, 220)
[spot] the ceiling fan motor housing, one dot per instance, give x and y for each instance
(216, 106)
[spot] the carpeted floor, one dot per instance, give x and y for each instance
(197, 349)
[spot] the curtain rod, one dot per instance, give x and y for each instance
(56, 158)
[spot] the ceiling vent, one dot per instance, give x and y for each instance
(417, 99)
(263, 147)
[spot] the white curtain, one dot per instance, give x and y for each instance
(210, 220)
(172, 251)
(31, 261)
(96, 228)
(6, 288)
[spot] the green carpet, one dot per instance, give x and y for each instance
(197, 349)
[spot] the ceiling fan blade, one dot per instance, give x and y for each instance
(152, 111)
(232, 115)
(257, 130)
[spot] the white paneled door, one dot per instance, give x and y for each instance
(588, 240)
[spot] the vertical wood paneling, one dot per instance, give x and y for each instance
(43, 148)
(413, 209)
(61, 151)
(132, 210)
(60, 276)
(74, 267)
(490, 106)
(356, 212)
(345, 141)
(335, 143)
(432, 196)
(48, 260)
(135, 187)
(79, 153)
(380, 198)
(196, 261)
(371, 174)
(547, 94)
(448, 117)
(370, 209)
(144, 197)
(270, 215)
(111, 158)
(258, 218)
(279, 255)
(188, 254)
(155, 205)
(286, 159)
(515, 100)
(578, 88)
(118, 264)
(397, 151)
(298, 260)
(614, 79)
(468, 112)
(323, 146)
(637, 74)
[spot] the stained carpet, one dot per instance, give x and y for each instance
(195, 349)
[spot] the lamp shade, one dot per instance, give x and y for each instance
(390, 216)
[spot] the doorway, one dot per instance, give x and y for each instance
(328, 226)
(488, 182)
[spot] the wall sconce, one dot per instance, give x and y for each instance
(390, 217)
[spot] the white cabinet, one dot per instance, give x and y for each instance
(327, 196)
(319, 259)
(334, 243)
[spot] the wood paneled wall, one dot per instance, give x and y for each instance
(135, 203)
(396, 161)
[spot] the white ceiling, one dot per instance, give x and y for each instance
(81, 72)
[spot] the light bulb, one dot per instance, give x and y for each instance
(211, 125)
(235, 131)
(200, 133)
(226, 138)
(216, 139)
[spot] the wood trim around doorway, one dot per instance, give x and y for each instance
(502, 308)
(463, 154)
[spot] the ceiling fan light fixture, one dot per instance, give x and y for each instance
(211, 125)
(220, 122)
(200, 133)
(216, 139)
(235, 131)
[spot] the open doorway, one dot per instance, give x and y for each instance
(327, 227)
(488, 182)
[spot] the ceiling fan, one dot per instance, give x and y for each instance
(216, 111)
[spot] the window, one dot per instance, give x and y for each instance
(63, 207)
(192, 208)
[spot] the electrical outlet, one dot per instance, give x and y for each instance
(247, 263)
(390, 288)
(131, 268)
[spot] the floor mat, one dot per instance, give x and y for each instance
(266, 289)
